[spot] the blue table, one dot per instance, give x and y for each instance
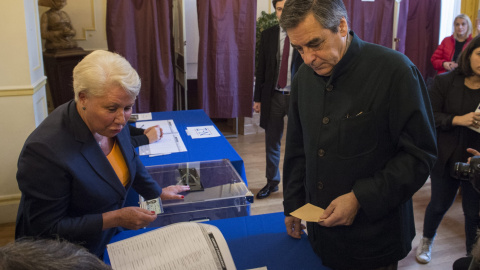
(197, 149)
(257, 241)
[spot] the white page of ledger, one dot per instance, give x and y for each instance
(184, 245)
(167, 126)
(171, 141)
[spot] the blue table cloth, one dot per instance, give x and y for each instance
(257, 241)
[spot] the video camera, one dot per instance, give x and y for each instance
(469, 172)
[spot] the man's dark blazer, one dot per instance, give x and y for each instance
(266, 75)
(67, 182)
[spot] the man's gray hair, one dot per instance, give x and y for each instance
(101, 70)
(48, 254)
(327, 12)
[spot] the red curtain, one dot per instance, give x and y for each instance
(372, 21)
(418, 27)
(140, 30)
(226, 56)
(422, 31)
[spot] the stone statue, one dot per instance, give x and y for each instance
(56, 26)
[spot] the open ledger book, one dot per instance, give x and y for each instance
(184, 245)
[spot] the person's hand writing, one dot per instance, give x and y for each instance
(341, 211)
(132, 218)
(257, 106)
(471, 119)
(153, 133)
(294, 226)
(171, 192)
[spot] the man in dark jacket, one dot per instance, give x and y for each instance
(272, 93)
(360, 140)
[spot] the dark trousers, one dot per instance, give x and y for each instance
(444, 191)
(274, 133)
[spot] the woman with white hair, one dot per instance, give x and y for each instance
(76, 168)
(445, 56)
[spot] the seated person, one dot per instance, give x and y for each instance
(77, 166)
(27, 254)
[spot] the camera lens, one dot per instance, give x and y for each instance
(461, 171)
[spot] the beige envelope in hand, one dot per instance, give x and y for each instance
(308, 212)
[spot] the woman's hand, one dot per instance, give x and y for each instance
(471, 119)
(450, 65)
(171, 192)
(132, 218)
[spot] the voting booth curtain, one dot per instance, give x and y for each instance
(422, 19)
(141, 32)
(226, 57)
(418, 27)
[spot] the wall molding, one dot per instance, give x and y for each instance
(22, 90)
(10, 199)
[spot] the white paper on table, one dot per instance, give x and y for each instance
(184, 245)
(202, 132)
(143, 116)
(167, 126)
(169, 143)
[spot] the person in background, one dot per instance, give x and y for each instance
(455, 97)
(140, 136)
(277, 63)
(360, 140)
(77, 166)
(48, 254)
(445, 56)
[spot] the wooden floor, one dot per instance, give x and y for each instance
(449, 243)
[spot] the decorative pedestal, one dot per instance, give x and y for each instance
(59, 66)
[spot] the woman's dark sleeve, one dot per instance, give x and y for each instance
(137, 137)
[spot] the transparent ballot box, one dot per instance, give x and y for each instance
(216, 191)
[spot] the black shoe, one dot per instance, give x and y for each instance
(266, 190)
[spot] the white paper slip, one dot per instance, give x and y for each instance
(202, 132)
(143, 116)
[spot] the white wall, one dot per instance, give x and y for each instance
(23, 103)
(22, 93)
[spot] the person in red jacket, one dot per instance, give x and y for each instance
(445, 56)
